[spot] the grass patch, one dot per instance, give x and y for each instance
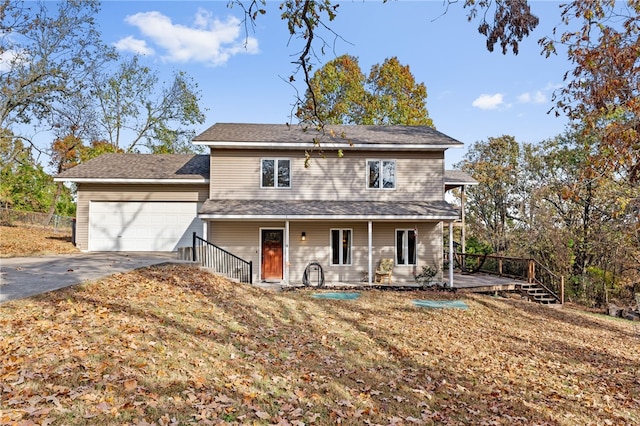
(175, 345)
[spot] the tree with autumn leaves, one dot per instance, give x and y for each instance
(389, 95)
(547, 201)
(602, 93)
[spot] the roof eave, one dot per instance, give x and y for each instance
(130, 181)
(460, 183)
(328, 217)
(309, 145)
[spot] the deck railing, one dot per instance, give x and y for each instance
(551, 282)
(221, 261)
(529, 270)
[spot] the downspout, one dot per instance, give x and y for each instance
(451, 260)
(370, 243)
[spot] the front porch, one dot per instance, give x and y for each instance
(480, 283)
(349, 251)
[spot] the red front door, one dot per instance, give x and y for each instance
(272, 248)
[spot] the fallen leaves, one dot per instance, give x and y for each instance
(19, 241)
(175, 345)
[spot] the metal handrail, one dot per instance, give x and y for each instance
(221, 261)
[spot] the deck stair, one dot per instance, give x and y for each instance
(527, 276)
(537, 293)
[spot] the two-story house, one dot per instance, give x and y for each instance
(369, 192)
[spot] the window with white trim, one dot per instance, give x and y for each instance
(341, 246)
(381, 174)
(275, 173)
(406, 247)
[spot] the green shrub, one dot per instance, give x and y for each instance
(425, 278)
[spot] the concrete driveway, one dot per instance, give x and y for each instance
(26, 276)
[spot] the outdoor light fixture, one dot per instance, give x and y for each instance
(303, 237)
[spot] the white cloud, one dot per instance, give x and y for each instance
(537, 98)
(11, 58)
(131, 44)
(5, 60)
(552, 86)
(209, 40)
(489, 101)
(203, 17)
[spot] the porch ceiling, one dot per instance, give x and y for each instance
(328, 210)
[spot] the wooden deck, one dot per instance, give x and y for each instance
(481, 283)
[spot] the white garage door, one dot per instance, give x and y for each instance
(142, 226)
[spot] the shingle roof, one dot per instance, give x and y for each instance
(253, 134)
(317, 209)
(141, 167)
(458, 177)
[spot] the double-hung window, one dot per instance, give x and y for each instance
(341, 246)
(275, 173)
(406, 245)
(381, 174)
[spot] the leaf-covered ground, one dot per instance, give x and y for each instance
(17, 241)
(175, 345)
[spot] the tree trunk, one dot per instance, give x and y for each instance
(52, 208)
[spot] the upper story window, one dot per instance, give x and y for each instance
(381, 174)
(275, 173)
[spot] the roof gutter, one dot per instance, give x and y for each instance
(325, 217)
(274, 145)
(127, 180)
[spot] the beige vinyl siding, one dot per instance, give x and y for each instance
(88, 192)
(235, 174)
(317, 248)
(242, 238)
(429, 247)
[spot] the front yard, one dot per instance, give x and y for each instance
(175, 345)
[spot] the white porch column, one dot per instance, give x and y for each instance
(463, 238)
(205, 230)
(370, 243)
(286, 252)
(451, 259)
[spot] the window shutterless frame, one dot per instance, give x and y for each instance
(406, 247)
(381, 174)
(275, 173)
(340, 246)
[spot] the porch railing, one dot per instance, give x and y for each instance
(529, 270)
(221, 261)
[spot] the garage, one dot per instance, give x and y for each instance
(142, 225)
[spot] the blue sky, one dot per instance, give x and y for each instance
(472, 94)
